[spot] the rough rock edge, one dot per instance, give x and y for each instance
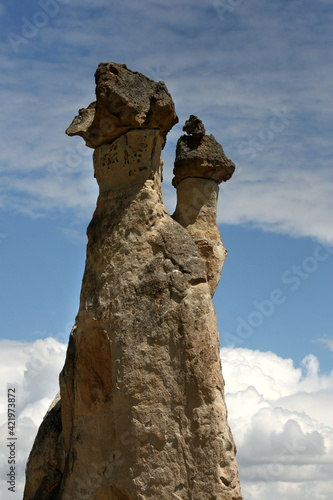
(200, 155)
(48, 491)
(200, 165)
(125, 100)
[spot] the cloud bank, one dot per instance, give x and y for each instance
(280, 416)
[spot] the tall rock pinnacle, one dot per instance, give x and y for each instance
(141, 412)
(200, 166)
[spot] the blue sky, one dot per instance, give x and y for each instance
(259, 75)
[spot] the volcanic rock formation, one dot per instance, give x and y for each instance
(200, 166)
(125, 100)
(142, 414)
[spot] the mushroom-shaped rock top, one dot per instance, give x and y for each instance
(125, 100)
(200, 155)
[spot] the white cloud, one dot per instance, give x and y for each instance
(295, 202)
(281, 420)
(33, 370)
(325, 340)
(52, 191)
(288, 491)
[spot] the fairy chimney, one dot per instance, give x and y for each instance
(141, 413)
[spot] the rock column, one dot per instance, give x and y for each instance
(142, 414)
(200, 166)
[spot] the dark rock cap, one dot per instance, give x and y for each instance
(194, 126)
(125, 100)
(200, 155)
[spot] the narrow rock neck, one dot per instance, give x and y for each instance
(124, 166)
(196, 202)
(196, 212)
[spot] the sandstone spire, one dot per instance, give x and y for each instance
(200, 166)
(142, 414)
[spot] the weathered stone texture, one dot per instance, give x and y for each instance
(196, 212)
(194, 126)
(143, 415)
(200, 155)
(125, 100)
(200, 165)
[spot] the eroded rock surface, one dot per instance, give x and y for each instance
(143, 415)
(200, 155)
(200, 165)
(125, 100)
